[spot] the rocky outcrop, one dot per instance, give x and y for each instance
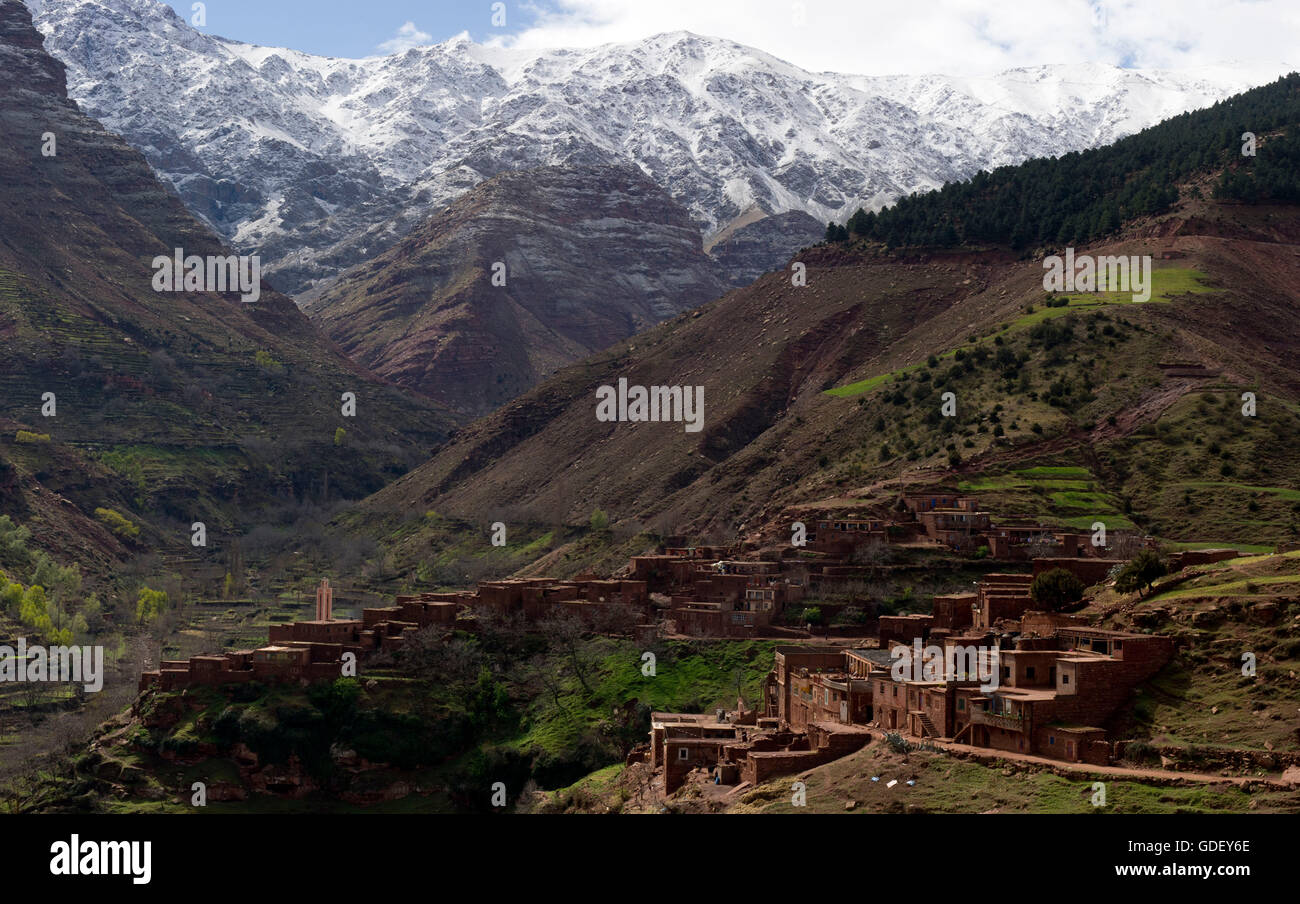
(765, 245)
(26, 65)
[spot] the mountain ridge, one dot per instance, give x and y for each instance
(524, 273)
(826, 396)
(164, 408)
(322, 151)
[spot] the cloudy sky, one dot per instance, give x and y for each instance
(873, 37)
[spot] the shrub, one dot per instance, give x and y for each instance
(1141, 752)
(1056, 589)
(1139, 573)
(897, 742)
(11, 596)
(268, 363)
(850, 615)
(116, 523)
(150, 604)
(13, 539)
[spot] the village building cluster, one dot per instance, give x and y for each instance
(315, 650)
(1046, 682)
(1058, 681)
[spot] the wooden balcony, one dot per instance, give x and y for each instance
(1009, 723)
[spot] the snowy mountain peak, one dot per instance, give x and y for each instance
(311, 159)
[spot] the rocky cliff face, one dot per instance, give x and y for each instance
(583, 257)
(321, 163)
(765, 245)
(26, 64)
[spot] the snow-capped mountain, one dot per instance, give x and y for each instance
(319, 163)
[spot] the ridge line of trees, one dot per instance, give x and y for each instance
(1084, 195)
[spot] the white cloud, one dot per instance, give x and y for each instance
(878, 37)
(407, 36)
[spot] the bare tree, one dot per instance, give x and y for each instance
(427, 655)
(540, 671)
(1041, 546)
(615, 618)
(875, 552)
(506, 633)
(565, 634)
(1125, 545)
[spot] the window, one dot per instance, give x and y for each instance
(961, 703)
(683, 753)
(1065, 678)
(1029, 672)
(1051, 740)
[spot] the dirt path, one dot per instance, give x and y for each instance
(986, 755)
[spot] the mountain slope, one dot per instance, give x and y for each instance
(167, 407)
(305, 158)
(754, 248)
(591, 255)
(829, 391)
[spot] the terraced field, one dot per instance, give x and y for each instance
(1067, 496)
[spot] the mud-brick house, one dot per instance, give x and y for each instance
(896, 629)
(820, 743)
(765, 593)
(682, 742)
(923, 709)
(346, 632)
(273, 663)
(387, 627)
(1055, 705)
(1001, 597)
(955, 528)
(843, 536)
(704, 618)
(928, 501)
(954, 611)
(1057, 686)
(663, 573)
(789, 661)
(721, 587)
(1188, 557)
(1016, 541)
(1089, 570)
(827, 696)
